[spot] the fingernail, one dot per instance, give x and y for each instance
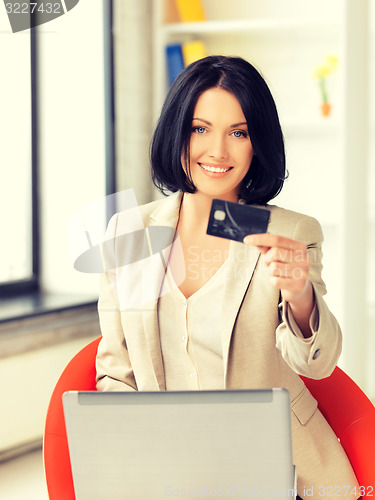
(248, 240)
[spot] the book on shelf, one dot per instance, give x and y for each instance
(190, 10)
(180, 55)
(192, 51)
(175, 60)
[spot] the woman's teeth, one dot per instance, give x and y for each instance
(213, 169)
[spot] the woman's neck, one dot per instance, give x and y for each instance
(195, 211)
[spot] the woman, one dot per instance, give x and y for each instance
(243, 315)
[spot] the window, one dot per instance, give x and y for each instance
(57, 152)
(18, 160)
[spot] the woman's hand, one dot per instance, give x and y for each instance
(288, 265)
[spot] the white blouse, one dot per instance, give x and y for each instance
(190, 336)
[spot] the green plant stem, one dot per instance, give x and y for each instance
(322, 84)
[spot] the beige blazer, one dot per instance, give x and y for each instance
(262, 346)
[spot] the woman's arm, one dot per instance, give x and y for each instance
(288, 266)
(309, 335)
(113, 368)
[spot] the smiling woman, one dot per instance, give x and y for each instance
(228, 315)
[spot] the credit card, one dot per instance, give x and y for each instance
(234, 221)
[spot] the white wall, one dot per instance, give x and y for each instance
(33, 376)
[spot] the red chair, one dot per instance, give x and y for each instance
(79, 375)
(352, 417)
(347, 409)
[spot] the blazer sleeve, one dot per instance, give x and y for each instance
(113, 368)
(316, 356)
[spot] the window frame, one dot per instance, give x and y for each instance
(109, 98)
(30, 285)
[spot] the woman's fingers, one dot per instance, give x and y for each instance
(288, 271)
(286, 259)
(273, 240)
(275, 254)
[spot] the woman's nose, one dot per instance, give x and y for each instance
(218, 147)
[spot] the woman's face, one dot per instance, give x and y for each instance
(220, 147)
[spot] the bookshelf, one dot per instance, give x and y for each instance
(240, 34)
(326, 157)
(250, 26)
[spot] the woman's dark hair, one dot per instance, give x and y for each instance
(171, 139)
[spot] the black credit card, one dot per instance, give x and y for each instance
(235, 221)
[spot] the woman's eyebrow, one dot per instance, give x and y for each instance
(239, 124)
(209, 123)
(202, 120)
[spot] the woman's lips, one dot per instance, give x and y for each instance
(215, 170)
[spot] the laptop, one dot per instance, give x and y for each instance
(155, 445)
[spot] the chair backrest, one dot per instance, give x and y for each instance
(347, 409)
(79, 375)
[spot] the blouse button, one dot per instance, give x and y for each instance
(316, 354)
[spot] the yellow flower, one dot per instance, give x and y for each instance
(322, 72)
(332, 62)
(327, 67)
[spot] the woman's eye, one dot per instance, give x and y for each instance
(239, 133)
(199, 130)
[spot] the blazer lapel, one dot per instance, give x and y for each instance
(164, 216)
(241, 266)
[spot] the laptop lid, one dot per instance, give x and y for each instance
(155, 445)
